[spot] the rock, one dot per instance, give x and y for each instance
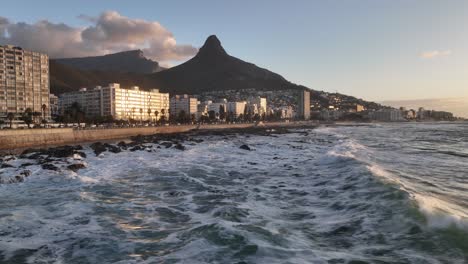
(49, 167)
(98, 148)
(18, 178)
(5, 165)
(26, 173)
(179, 147)
(79, 154)
(122, 144)
(112, 148)
(76, 167)
(26, 165)
(135, 148)
(166, 144)
(245, 147)
(8, 158)
(62, 152)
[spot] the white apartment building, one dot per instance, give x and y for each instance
(183, 103)
(24, 81)
(257, 105)
(118, 102)
(304, 105)
(236, 108)
(387, 115)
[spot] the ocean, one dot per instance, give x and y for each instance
(370, 193)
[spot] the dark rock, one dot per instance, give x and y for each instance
(62, 152)
(112, 148)
(26, 165)
(76, 167)
(245, 147)
(5, 165)
(166, 144)
(179, 147)
(122, 144)
(81, 153)
(49, 167)
(18, 178)
(26, 173)
(135, 148)
(98, 148)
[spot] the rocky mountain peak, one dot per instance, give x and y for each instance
(212, 47)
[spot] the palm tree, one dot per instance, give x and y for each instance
(141, 115)
(156, 114)
(11, 116)
(149, 114)
(43, 108)
(27, 117)
(163, 114)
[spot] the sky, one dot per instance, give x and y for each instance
(379, 50)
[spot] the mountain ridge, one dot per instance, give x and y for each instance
(131, 61)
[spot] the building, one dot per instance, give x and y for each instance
(259, 104)
(387, 115)
(54, 105)
(183, 103)
(118, 102)
(235, 109)
(304, 105)
(24, 81)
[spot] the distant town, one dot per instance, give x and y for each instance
(26, 101)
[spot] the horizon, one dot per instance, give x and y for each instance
(402, 55)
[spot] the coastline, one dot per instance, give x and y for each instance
(52, 138)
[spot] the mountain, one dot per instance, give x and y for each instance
(65, 78)
(213, 69)
(128, 61)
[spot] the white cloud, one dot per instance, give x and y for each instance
(108, 33)
(435, 53)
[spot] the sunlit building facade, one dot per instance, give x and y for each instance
(24, 81)
(120, 103)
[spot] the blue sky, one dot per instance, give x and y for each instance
(377, 50)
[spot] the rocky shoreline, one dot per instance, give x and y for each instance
(72, 158)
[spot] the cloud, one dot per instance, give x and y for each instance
(108, 33)
(435, 53)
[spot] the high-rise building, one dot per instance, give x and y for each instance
(24, 81)
(235, 109)
(304, 105)
(118, 102)
(54, 105)
(183, 103)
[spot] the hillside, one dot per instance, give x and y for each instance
(214, 69)
(128, 61)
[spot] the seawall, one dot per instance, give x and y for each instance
(27, 138)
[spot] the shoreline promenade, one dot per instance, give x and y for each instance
(11, 140)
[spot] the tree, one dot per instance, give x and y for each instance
(222, 112)
(36, 116)
(156, 114)
(10, 117)
(149, 114)
(27, 117)
(163, 115)
(193, 118)
(181, 117)
(141, 115)
(212, 115)
(75, 113)
(44, 109)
